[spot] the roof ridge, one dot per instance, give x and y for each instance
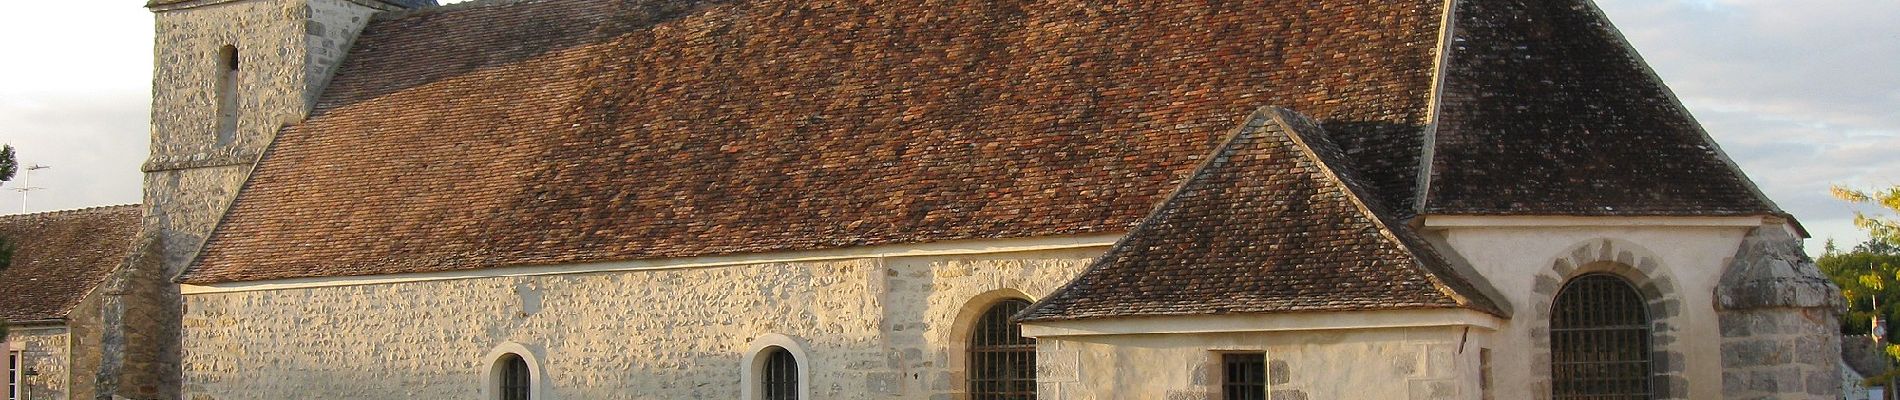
(1357, 195)
(70, 211)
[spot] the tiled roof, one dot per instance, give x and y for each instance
(563, 131)
(59, 257)
(1276, 221)
(399, 3)
(1546, 110)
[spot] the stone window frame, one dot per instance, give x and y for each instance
(1640, 267)
(493, 361)
(751, 377)
(958, 350)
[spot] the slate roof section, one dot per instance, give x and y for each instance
(567, 131)
(1547, 111)
(1275, 222)
(60, 257)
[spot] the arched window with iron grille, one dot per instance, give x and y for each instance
(1599, 340)
(1002, 361)
(515, 378)
(778, 379)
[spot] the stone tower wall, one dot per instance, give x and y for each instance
(286, 52)
(191, 178)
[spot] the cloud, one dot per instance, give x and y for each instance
(1801, 95)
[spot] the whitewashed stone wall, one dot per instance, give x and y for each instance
(1395, 363)
(874, 327)
(1527, 264)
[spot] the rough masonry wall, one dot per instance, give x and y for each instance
(83, 326)
(139, 319)
(46, 350)
(330, 30)
(874, 327)
(269, 36)
(1393, 363)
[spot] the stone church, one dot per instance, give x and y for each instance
(923, 199)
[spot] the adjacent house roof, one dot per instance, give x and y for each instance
(1275, 221)
(59, 257)
(564, 131)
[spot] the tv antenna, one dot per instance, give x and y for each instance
(26, 184)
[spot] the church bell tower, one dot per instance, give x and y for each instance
(227, 75)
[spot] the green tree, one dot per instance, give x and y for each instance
(1871, 283)
(8, 166)
(1884, 229)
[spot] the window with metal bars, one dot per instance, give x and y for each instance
(1599, 340)
(1002, 361)
(779, 378)
(1244, 376)
(515, 380)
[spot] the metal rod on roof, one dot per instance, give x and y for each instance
(26, 184)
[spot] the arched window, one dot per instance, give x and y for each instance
(778, 379)
(1599, 340)
(226, 129)
(515, 383)
(1002, 361)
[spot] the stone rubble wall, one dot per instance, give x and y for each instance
(875, 327)
(45, 349)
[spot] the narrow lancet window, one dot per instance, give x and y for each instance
(227, 86)
(516, 381)
(780, 377)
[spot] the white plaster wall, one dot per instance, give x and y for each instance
(874, 327)
(1387, 363)
(1692, 258)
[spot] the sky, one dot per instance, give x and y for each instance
(1802, 94)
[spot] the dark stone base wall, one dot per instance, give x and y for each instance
(1780, 353)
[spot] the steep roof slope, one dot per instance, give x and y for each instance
(1546, 110)
(559, 131)
(59, 257)
(1275, 221)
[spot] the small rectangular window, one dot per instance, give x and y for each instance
(1244, 376)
